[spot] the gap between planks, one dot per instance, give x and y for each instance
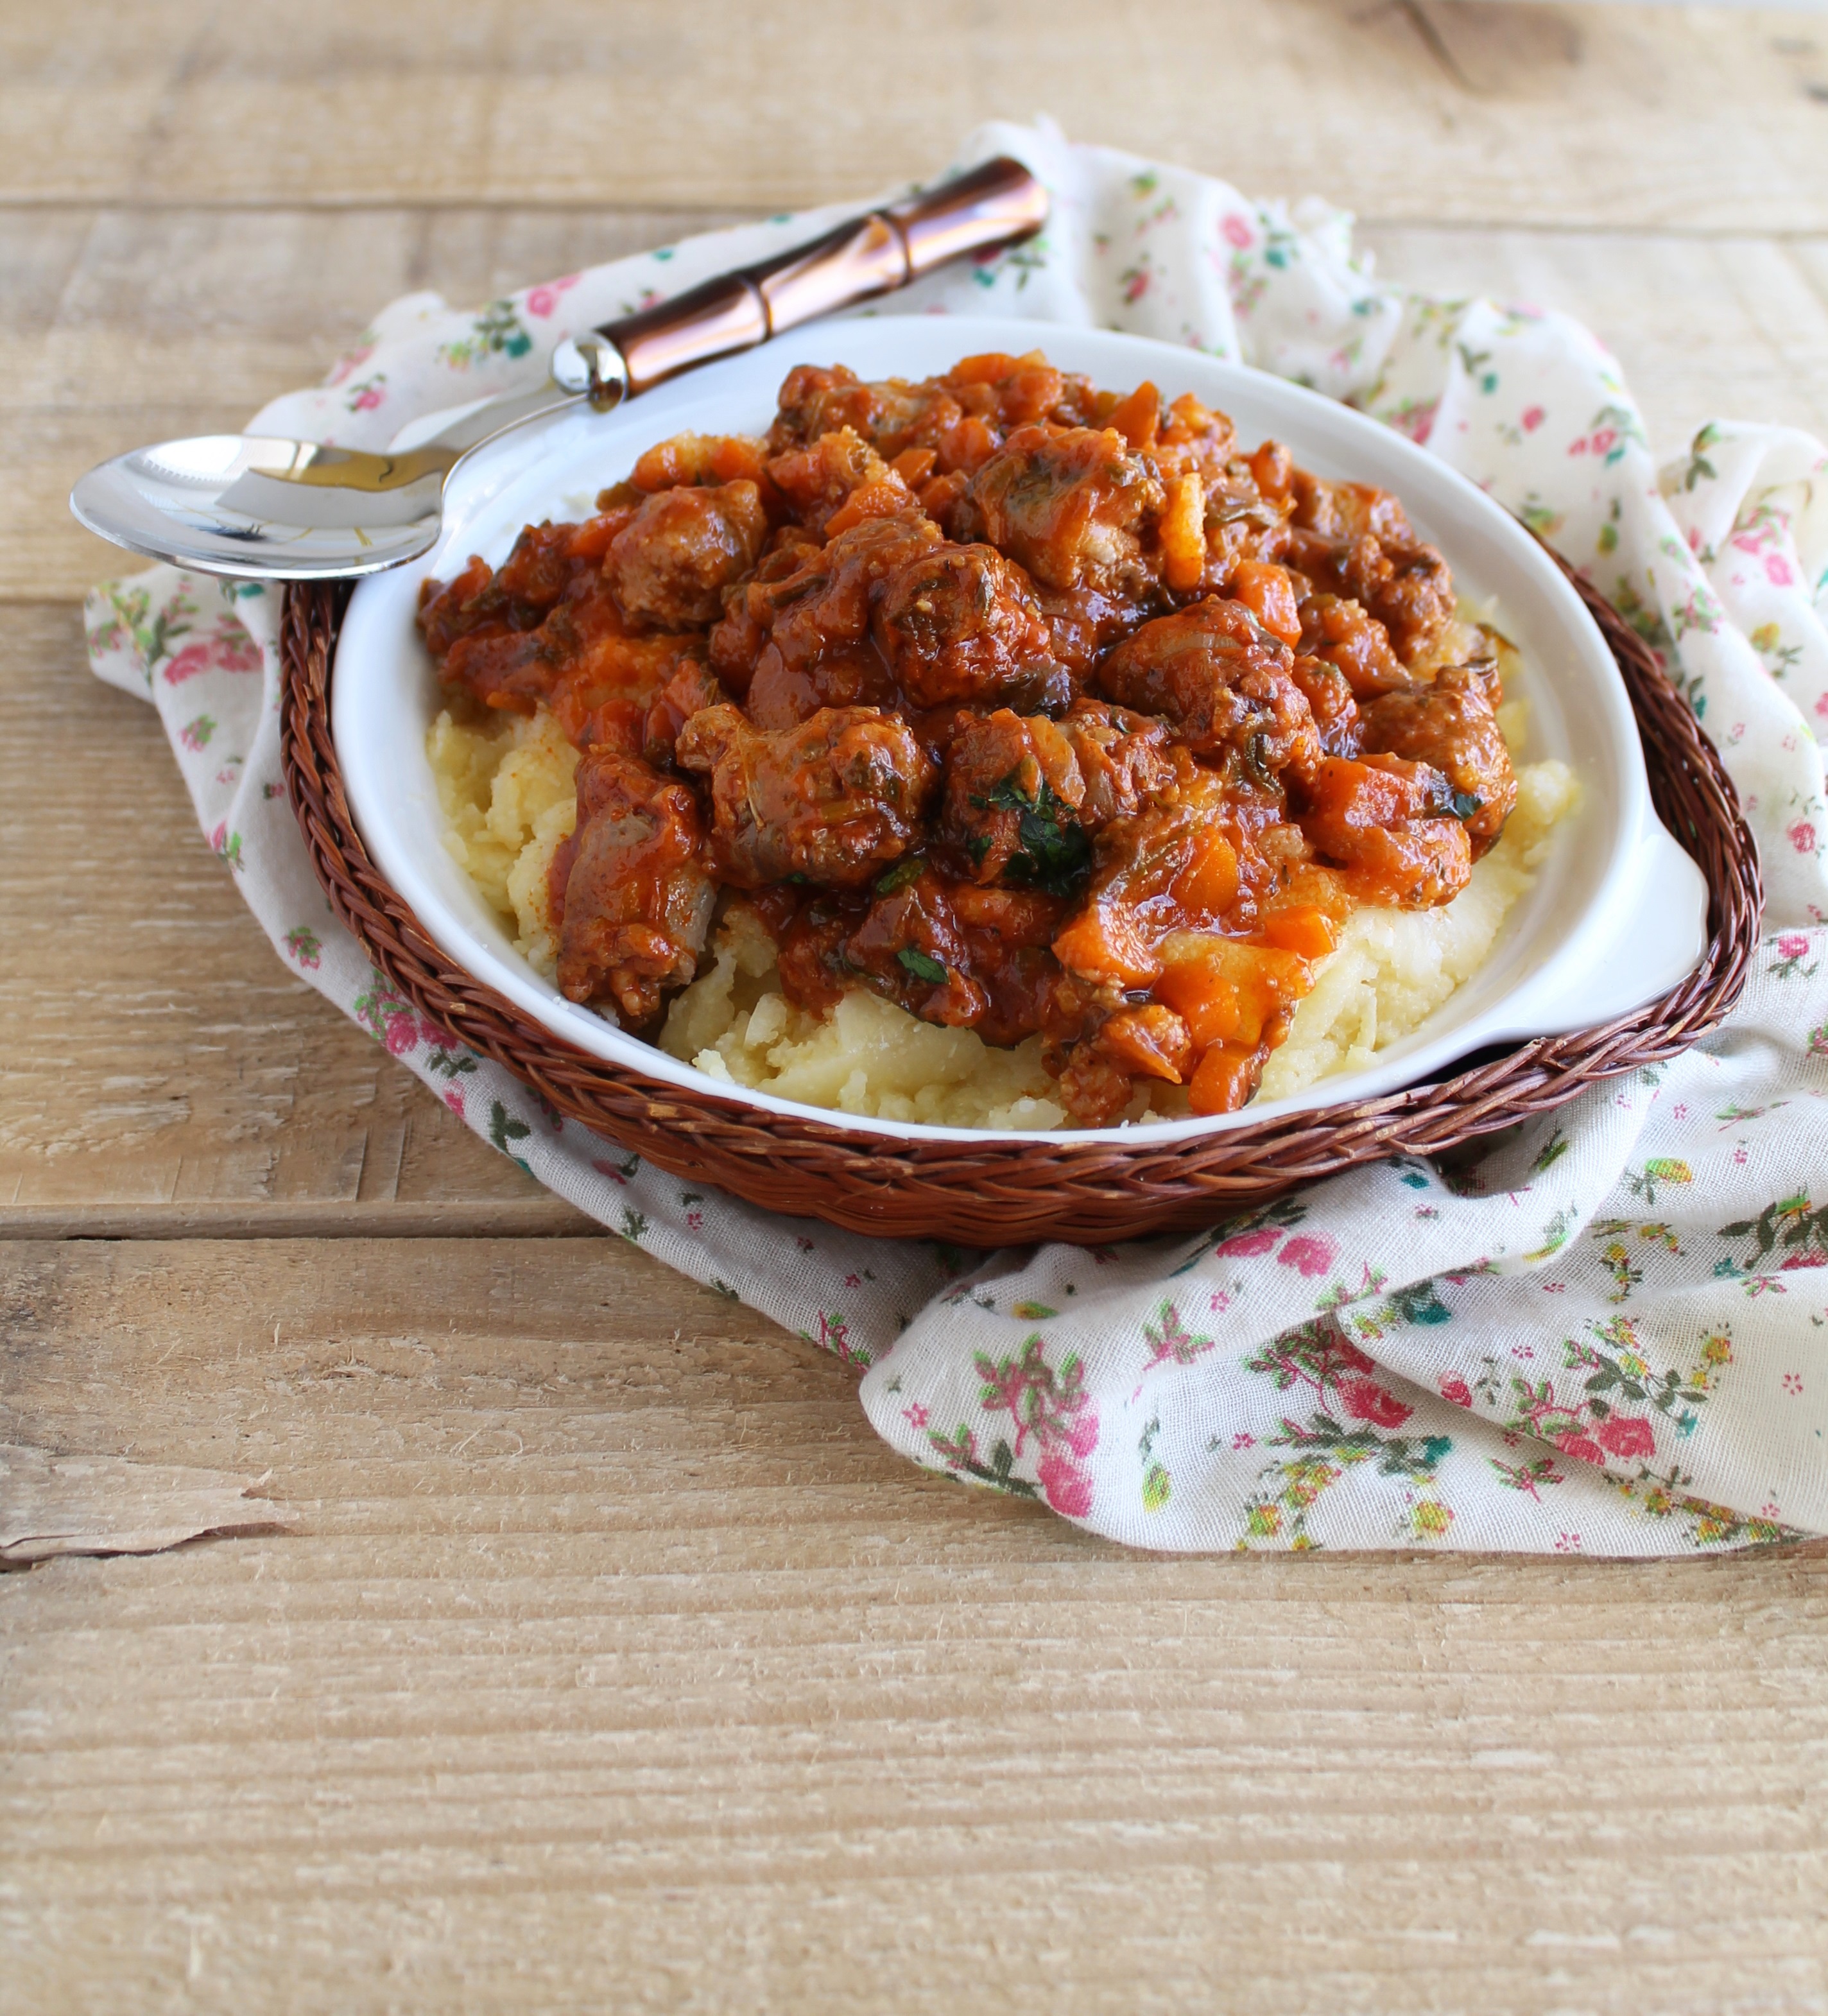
(711, 216)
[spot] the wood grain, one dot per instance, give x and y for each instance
(613, 1661)
(118, 327)
(1432, 112)
(611, 1665)
(162, 1067)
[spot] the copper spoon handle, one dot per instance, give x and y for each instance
(996, 204)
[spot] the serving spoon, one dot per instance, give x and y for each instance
(264, 508)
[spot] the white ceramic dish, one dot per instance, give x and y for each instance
(1618, 915)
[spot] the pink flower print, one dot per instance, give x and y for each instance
(1822, 706)
(195, 734)
(194, 658)
(1626, 1436)
(1801, 836)
(1135, 283)
(219, 839)
(1241, 1441)
(1237, 233)
(1068, 1487)
(1366, 1401)
(541, 300)
(1311, 1256)
(1454, 1388)
(367, 396)
(1082, 1433)
(1567, 1543)
(1777, 571)
(454, 1098)
(1602, 440)
(916, 1416)
(1352, 1358)
(695, 1221)
(1571, 1441)
(1793, 1383)
(1533, 419)
(230, 650)
(346, 367)
(1792, 946)
(402, 1036)
(1247, 1245)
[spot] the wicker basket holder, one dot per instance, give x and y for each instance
(999, 1193)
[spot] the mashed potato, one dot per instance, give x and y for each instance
(507, 792)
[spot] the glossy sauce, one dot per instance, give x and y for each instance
(1034, 707)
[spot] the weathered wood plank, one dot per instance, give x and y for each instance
(1697, 118)
(161, 1067)
(611, 1648)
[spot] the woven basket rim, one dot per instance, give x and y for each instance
(1003, 1190)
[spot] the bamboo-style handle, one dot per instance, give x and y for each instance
(994, 205)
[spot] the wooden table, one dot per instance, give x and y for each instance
(612, 1662)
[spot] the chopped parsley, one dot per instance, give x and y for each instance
(1051, 852)
(923, 966)
(1466, 803)
(906, 870)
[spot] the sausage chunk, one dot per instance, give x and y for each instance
(959, 623)
(1012, 794)
(798, 638)
(831, 801)
(638, 900)
(1391, 823)
(671, 564)
(1068, 504)
(1451, 726)
(1123, 757)
(1225, 682)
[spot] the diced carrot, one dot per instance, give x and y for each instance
(1102, 945)
(666, 464)
(1137, 417)
(1205, 1000)
(1182, 530)
(1193, 413)
(1150, 1041)
(1032, 391)
(1225, 989)
(591, 540)
(1273, 467)
(880, 498)
(1207, 886)
(1307, 931)
(914, 465)
(1225, 1079)
(968, 444)
(1266, 590)
(734, 458)
(938, 493)
(991, 368)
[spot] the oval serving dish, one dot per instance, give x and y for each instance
(1619, 916)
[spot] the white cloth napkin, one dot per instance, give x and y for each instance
(1608, 1335)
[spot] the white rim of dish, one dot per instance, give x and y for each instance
(1642, 921)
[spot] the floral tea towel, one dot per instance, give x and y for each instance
(1608, 1333)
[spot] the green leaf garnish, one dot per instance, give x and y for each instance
(923, 966)
(1466, 803)
(1053, 852)
(906, 870)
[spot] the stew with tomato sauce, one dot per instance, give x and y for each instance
(1033, 708)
